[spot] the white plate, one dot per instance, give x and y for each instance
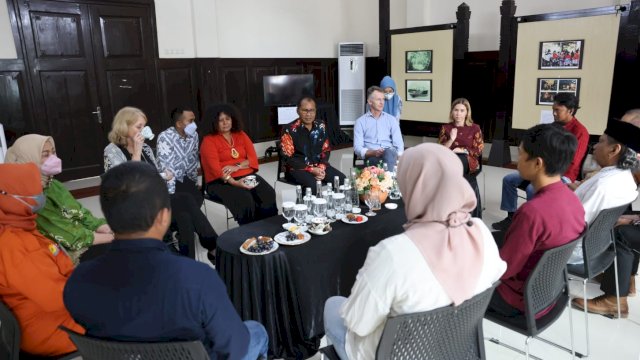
(391, 206)
(281, 238)
(364, 220)
(319, 232)
(286, 226)
(274, 248)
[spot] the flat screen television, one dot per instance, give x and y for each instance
(282, 90)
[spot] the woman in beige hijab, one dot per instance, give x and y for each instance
(63, 219)
(444, 256)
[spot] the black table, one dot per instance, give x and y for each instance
(286, 290)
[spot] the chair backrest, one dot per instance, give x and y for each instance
(547, 283)
(9, 334)
(280, 175)
(600, 235)
(3, 144)
(98, 349)
(452, 332)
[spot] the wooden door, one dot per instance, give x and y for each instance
(125, 53)
(57, 39)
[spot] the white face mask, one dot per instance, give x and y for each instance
(147, 133)
(389, 96)
(190, 129)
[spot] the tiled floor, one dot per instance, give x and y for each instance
(610, 339)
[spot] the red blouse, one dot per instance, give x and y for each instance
(215, 154)
(469, 138)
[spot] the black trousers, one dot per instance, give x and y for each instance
(246, 205)
(498, 305)
(187, 186)
(189, 219)
(306, 179)
(473, 181)
(627, 247)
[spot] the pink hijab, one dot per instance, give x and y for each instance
(438, 200)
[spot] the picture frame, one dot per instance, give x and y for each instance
(561, 54)
(549, 87)
(419, 61)
(418, 90)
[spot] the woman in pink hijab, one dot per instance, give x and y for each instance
(444, 256)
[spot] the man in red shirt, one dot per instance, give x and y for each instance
(552, 218)
(565, 106)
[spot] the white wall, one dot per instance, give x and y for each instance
(7, 45)
(484, 33)
(398, 14)
(264, 29)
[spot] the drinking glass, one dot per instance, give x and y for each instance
(369, 200)
(300, 214)
(338, 203)
(377, 205)
(320, 208)
(287, 210)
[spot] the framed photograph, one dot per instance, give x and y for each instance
(418, 90)
(561, 54)
(419, 61)
(549, 87)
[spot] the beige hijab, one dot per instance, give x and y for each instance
(28, 149)
(438, 201)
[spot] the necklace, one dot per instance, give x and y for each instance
(234, 153)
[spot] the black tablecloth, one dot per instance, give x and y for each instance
(286, 290)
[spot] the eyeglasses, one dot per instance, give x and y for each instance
(308, 111)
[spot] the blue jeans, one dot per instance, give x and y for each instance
(258, 340)
(390, 156)
(334, 326)
(510, 183)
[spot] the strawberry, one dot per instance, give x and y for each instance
(359, 218)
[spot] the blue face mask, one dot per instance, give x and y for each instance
(40, 200)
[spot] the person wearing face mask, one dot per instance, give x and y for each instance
(177, 151)
(127, 136)
(33, 269)
(392, 101)
(63, 219)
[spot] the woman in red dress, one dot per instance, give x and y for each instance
(463, 136)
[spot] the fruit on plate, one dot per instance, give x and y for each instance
(294, 235)
(258, 245)
(354, 218)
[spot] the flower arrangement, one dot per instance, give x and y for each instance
(373, 177)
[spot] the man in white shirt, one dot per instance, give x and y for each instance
(376, 134)
(613, 185)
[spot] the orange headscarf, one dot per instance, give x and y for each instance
(18, 179)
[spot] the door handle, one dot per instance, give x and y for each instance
(98, 113)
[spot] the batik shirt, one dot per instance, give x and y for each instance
(305, 149)
(178, 154)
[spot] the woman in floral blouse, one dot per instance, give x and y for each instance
(465, 139)
(63, 219)
(463, 136)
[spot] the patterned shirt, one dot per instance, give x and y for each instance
(304, 149)
(469, 137)
(178, 154)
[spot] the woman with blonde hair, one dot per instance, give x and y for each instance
(127, 144)
(62, 219)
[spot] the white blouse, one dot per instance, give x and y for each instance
(395, 280)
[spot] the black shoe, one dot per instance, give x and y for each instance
(503, 224)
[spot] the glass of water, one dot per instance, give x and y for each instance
(300, 214)
(287, 210)
(320, 208)
(338, 203)
(370, 201)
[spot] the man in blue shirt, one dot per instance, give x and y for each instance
(140, 292)
(376, 135)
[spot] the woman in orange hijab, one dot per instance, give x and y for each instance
(33, 269)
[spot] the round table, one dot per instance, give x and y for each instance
(286, 290)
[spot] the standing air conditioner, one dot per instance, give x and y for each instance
(351, 82)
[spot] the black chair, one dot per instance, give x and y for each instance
(452, 332)
(281, 171)
(546, 285)
(98, 349)
(598, 251)
(10, 339)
